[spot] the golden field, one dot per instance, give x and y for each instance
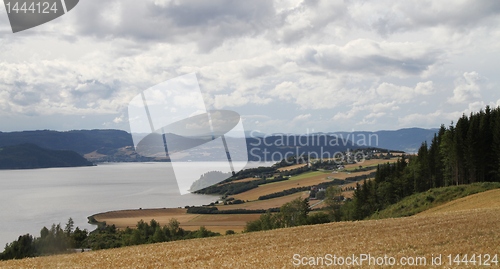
(473, 231)
(294, 182)
(217, 223)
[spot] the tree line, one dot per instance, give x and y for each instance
(57, 240)
(464, 153)
(51, 241)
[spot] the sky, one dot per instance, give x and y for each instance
(285, 65)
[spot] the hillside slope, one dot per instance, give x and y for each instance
(416, 236)
(487, 199)
(27, 156)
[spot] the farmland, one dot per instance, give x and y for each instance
(236, 222)
(417, 236)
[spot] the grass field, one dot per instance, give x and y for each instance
(291, 167)
(236, 222)
(420, 202)
(266, 204)
(306, 179)
(129, 218)
(254, 194)
(473, 231)
(482, 200)
(216, 222)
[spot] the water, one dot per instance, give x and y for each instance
(31, 199)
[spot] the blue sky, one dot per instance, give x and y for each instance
(285, 66)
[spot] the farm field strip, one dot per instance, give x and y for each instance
(291, 167)
(417, 236)
(265, 204)
(320, 177)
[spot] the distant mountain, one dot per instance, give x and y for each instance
(117, 145)
(27, 156)
(81, 141)
(407, 140)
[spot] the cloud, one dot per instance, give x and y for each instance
(415, 14)
(118, 119)
(372, 63)
(302, 117)
(367, 56)
(206, 24)
(425, 88)
(428, 120)
(467, 88)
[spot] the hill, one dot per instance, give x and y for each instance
(414, 239)
(485, 199)
(81, 141)
(434, 198)
(407, 140)
(117, 145)
(26, 156)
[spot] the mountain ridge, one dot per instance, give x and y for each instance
(117, 145)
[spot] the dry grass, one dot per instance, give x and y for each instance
(129, 218)
(216, 223)
(220, 222)
(487, 199)
(244, 180)
(291, 167)
(473, 231)
(254, 194)
(266, 204)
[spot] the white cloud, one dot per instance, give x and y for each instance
(301, 117)
(428, 120)
(425, 88)
(118, 119)
(467, 88)
(373, 63)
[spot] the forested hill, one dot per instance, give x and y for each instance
(27, 156)
(407, 140)
(464, 153)
(117, 145)
(81, 141)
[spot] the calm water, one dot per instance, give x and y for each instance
(31, 199)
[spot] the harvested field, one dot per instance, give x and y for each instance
(216, 223)
(220, 222)
(129, 218)
(291, 167)
(294, 182)
(245, 180)
(254, 194)
(417, 236)
(348, 194)
(371, 162)
(266, 204)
